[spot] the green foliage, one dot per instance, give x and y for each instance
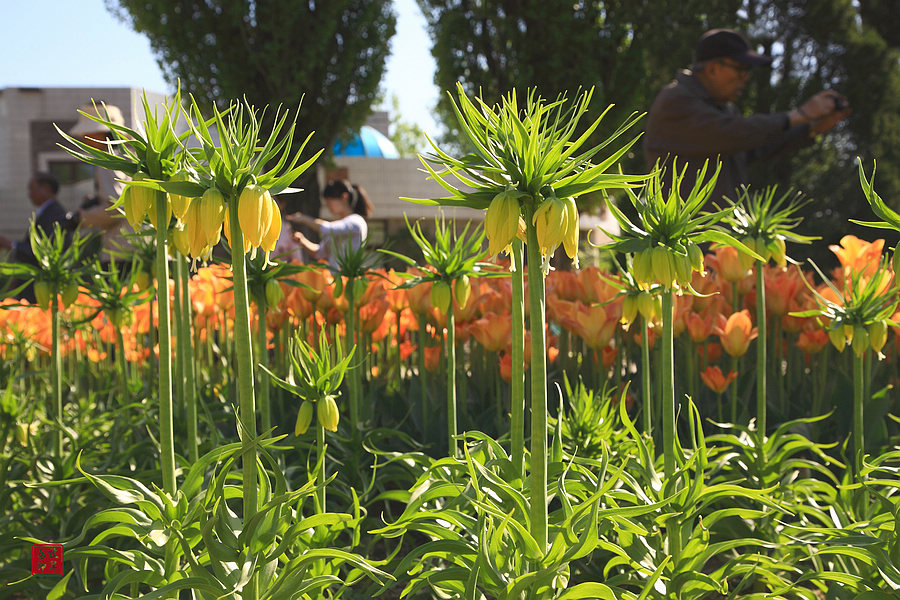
(273, 52)
(629, 50)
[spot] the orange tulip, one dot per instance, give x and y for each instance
(858, 256)
(812, 340)
(492, 331)
(714, 380)
(725, 262)
(736, 332)
(782, 286)
(699, 328)
(432, 358)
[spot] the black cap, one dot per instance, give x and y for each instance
(727, 43)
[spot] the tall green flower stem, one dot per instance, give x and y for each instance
(423, 380)
(243, 355)
(166, 436)
(761, 352)
(178, 366)
(645, 376)
(262, 359)
(354, 383)
(859, 441)
(121, 362)
(452, 446)
(187, 356)
(536, 324)
(320, 477)
(517, 383)
(670, 435)
(57, 374)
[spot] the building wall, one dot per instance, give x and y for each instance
(28, 142)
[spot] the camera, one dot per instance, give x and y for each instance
(839, 104)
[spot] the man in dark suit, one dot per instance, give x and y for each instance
(42, 190)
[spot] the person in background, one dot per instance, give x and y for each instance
(108, 185)
(42, 190)
(351, 207)
(287, 248)
(694, 118)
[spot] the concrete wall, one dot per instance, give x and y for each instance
(28, 142)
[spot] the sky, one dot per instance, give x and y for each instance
(78, 43)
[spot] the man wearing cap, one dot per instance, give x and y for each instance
(108, 186)
(694, 119)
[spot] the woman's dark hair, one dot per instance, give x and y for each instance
(356, 196)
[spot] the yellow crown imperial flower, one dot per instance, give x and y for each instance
(327, 412)
(501, 222)
(441, 296)
(274, 232)
(878, 335)
(136, 200)
(570, 242)
(151, 211)
(212, 215)
(227, 227)
(42, 294)
(304, 418)
(178, 203)
(663, 266)
(181, 240)
(255, 213)
(550, 223)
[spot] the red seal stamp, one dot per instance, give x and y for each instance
(46, 559)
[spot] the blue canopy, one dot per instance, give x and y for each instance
(367, 142)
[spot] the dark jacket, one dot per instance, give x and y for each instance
(54, 212)
(685, 122)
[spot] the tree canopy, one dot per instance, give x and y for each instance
(628, 49)
(332, 53)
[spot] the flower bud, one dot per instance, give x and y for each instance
(274, 293)
(762, 248)
(860, 341)
(501, 221)
(683, 270)
(42, 294)
(629, 309)
(178, 203)
(136, 200)
(212, 215)
(778, 251)
(338, 287)
(570, 241)
(663, 266)
(227, 227)
(69, 294)
(647, 306)
(328, 414)
(304, 418)
(878, 335)
(746, 261)
(182, 242)
(152, 213)
(695, 257)
(440, 296)
(255, 213)
(550, 224)
(274, 232)
(462, 288)
(142, 279)
(643, 267)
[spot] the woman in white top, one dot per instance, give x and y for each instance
(350, 205)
